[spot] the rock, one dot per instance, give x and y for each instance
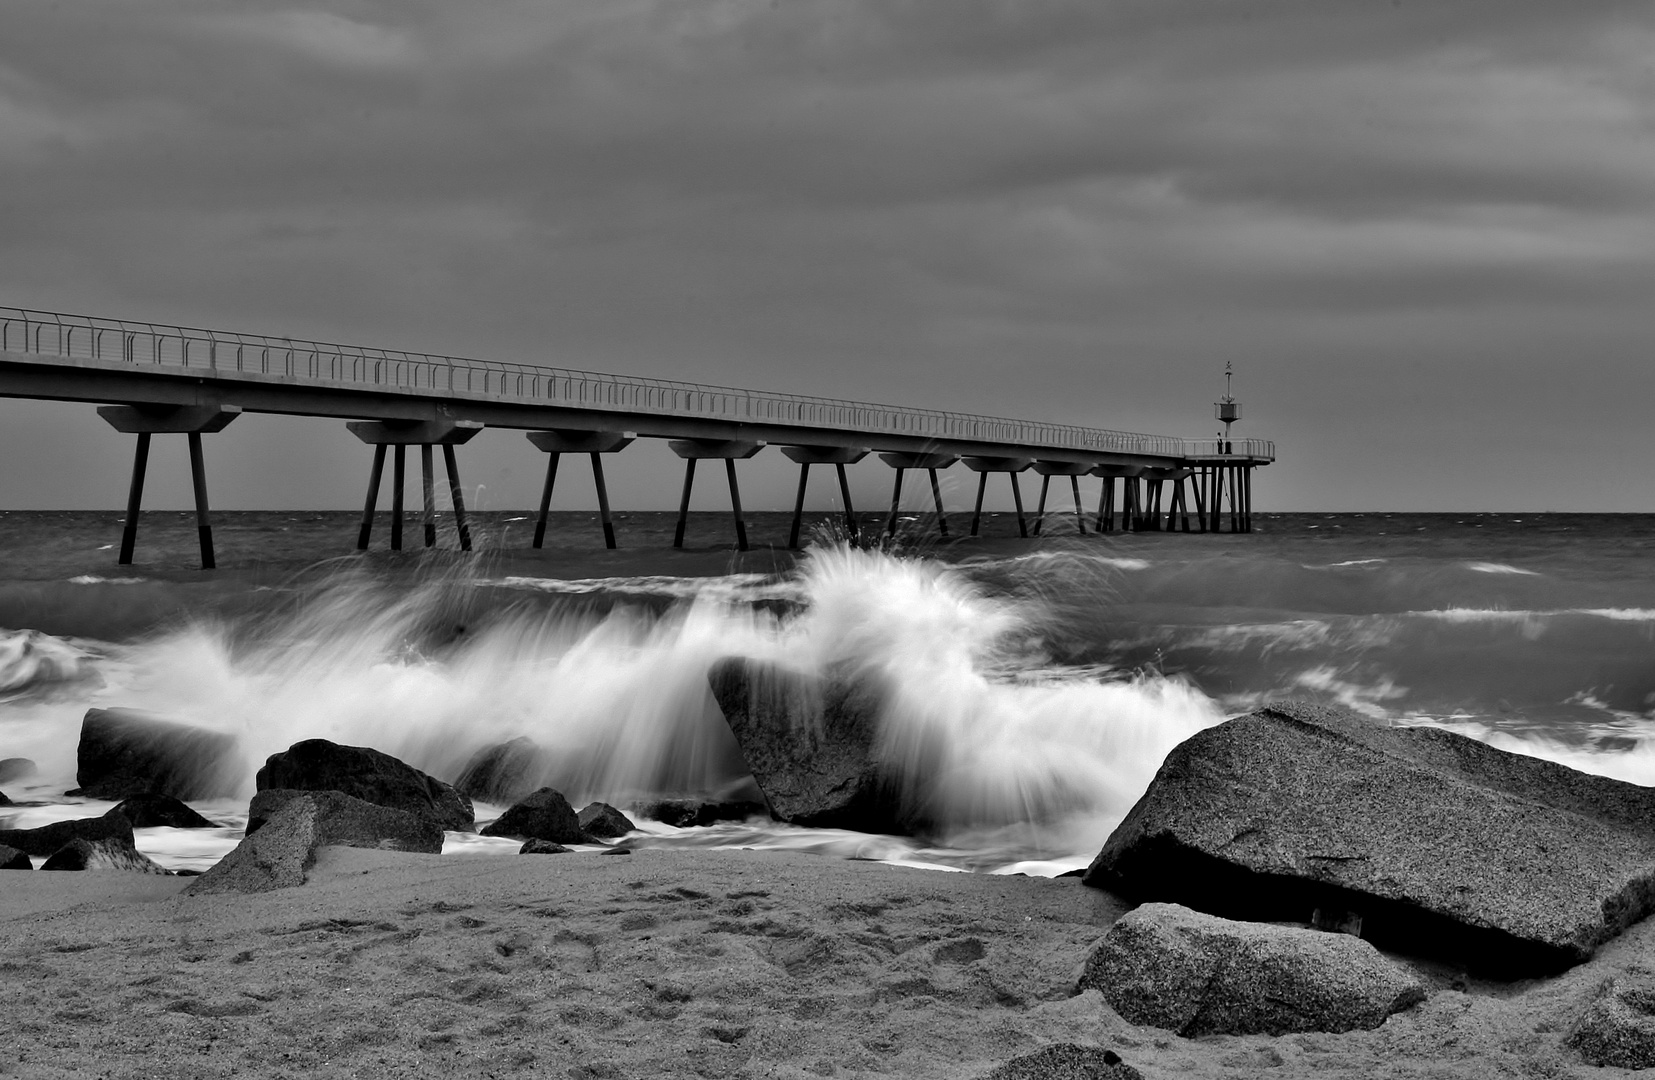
(110, 853)
(1169, 967)
(504, 772)
(16, 768)
(367, 774)
(1067, 1061)
(13, 859)
(148, 811)
(685, 813)
(126, 752)
(809, 742)
(282, 851)
(46, 839)
(1440, 845)
(542, 847)
(1618, 1028)
(600, 821)
(3, 800)
(541, 815)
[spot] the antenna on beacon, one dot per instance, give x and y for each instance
(1227, 409)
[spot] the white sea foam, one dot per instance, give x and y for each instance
(1500, 568)
(1017, 763)
(94, 579)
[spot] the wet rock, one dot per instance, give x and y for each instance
(13, 859)
(149, 811)
(1618, 1028)
(3, 800)
(504, 772)
(1435, 844)
(281, 852)
(542, 847)
(1169, 967)
(369, 775)
(110, 853)
(600, 821)
(810, 743)
(16, 768)
(126, 752)
(1067, 1061)
(687, 813)
(541, 815)
(46, 839)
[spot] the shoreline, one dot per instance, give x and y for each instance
(660, 963)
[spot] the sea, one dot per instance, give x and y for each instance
(1033, 685)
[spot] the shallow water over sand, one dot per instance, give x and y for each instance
(1040, 682)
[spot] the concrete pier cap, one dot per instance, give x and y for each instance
(414, 432)
(169, 419)
(730, 449)
(824, 455)
(566, 441)
(997, 464)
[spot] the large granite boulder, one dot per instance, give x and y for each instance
(126, 752)
(504, 772)
(811, 744)
(1425, 841)
(541, 815)
(110, 853)
(1169, 967)
(367, 774)
(280, 854)
(600, 821)
(152, 810)
(46, 839)
(1618, 1029)
(16, 768)
(13, 859)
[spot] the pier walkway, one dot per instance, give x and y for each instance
(159, 379)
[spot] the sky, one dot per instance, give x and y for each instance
(1422, 232)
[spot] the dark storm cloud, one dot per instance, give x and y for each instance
(872, 199)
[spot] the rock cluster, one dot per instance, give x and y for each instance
(1169, 967)
(13, 859)
(1430, 842)
(110, 853)
(369, 775)
(541, 815)
(504, 772)
(281, 852)
(600, 821)
(46, 839)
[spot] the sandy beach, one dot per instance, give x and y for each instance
(654, 964)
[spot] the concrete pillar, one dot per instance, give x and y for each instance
(1011, 467)
(1073, 470)
(145, 421)
(902, 461)
(400, 435)
(838, 457)
(592, 443)
(731, 451)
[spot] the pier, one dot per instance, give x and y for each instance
(151, 379)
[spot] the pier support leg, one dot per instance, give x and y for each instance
(1080, 515)
(198, 480)
(1017, 498)
(844, 495)
(428, 491)
(372, 504)
(455, 494)
(134, 499)
(798, 507)
(603, 501)
(684, 503)
(735, 501)
(896, 503)
(1247, 501)
(1040, 512)
(1106, 512)
(546, 499)
(1215, 493)
(936, 496)
(977, 512)
(1198, 482)
(399, 461)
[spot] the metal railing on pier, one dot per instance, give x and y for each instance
(223, 354)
